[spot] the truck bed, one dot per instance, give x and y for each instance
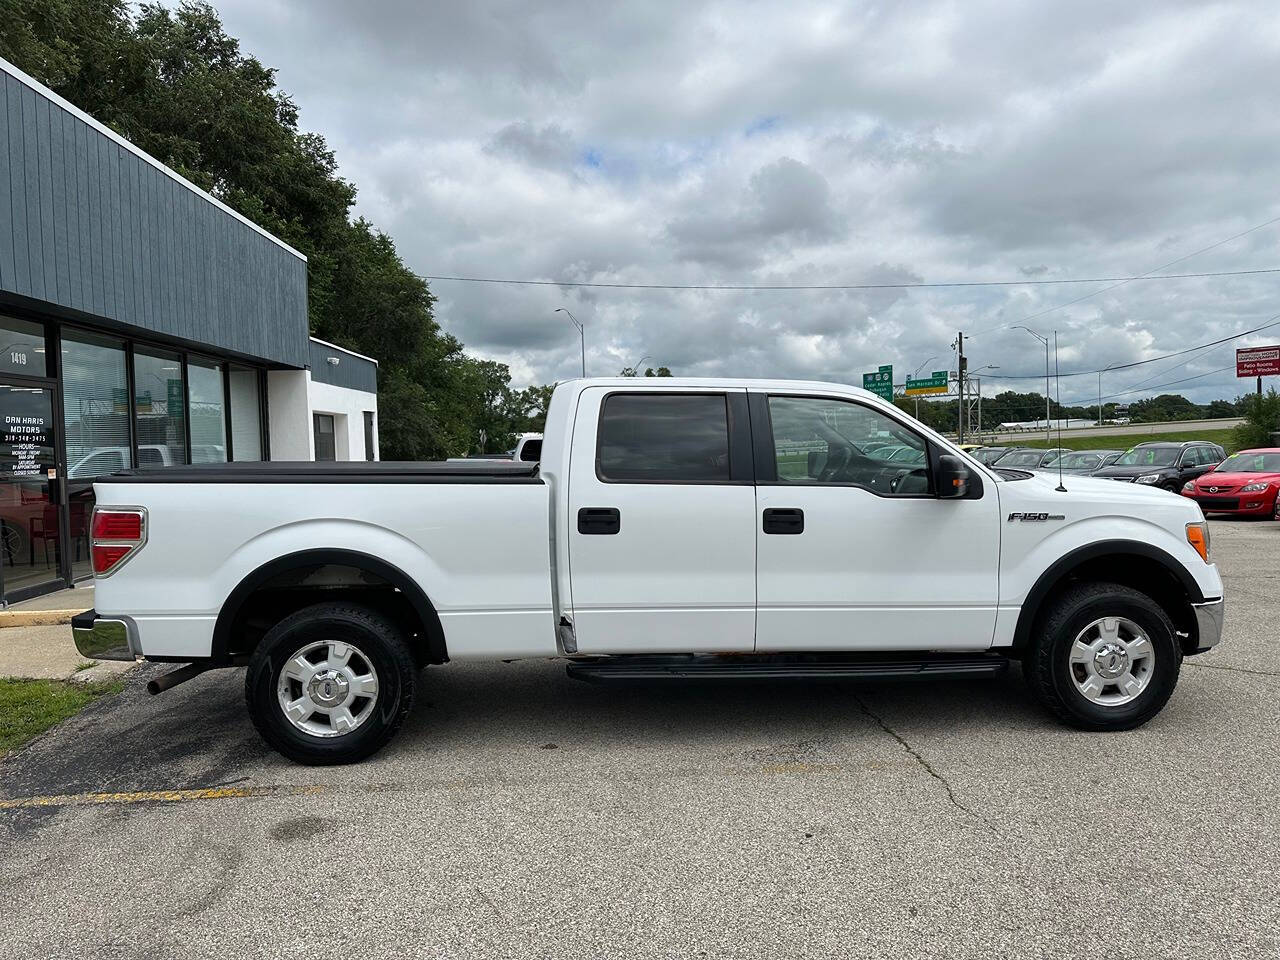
(357, 471)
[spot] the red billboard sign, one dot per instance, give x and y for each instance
(1258, 361)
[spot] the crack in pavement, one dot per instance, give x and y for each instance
(1223, 666)
(927, 767)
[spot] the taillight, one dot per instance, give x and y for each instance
(118, 533)
(108, 525)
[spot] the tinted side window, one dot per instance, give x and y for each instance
(664, 438)
(829, 441)
(531, 452)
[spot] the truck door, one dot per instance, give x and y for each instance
(661, 521)
(854, 551)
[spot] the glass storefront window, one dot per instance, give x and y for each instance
(22, 348)
(246, 415)
(29, 543)
(208, 412)
(158, 403)
(95, 405)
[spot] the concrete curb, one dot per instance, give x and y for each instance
(103, 670)
(35, 618)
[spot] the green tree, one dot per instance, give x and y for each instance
(173, 82)
(1221, 409)
(1166, 407)
(1261, 419)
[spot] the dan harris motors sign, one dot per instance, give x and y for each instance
(1258, 361)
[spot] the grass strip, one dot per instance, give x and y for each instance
(30, 707)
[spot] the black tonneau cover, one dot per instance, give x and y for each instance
(356, 471)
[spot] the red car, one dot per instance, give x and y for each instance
(1245, 483)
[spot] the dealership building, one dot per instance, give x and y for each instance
(142, 323)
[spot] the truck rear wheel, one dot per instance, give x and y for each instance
(330, 684)
(1105, 658)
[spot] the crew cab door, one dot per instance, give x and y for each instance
(661, 522)
(854, 550)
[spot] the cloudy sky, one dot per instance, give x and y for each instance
(809, 143)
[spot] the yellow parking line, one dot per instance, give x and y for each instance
(159, 796)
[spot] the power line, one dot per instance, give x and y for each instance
(1144, 276)
(1137, 363)
(852, 286)
(1171, 383)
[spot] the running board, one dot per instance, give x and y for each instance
(781, 667)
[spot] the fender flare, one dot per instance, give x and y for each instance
(422, 606)
(1096, 551)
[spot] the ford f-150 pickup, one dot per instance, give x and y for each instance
(693, 528)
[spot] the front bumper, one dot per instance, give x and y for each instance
(1248, 504)
(1209, 618)
(104, 638)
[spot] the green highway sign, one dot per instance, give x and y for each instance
(935, 383)
(881, 382)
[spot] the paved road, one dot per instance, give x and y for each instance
(1135, 430)
(526, 815)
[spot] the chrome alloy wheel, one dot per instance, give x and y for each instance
(328, 689)
(1112, 661)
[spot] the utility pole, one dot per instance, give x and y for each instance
(960, 377)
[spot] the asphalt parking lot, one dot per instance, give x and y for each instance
(523, 814)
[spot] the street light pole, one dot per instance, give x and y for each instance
(1048, 435)
(1100, 372)
(916, 375)
(582, 336)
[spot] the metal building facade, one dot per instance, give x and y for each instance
(142, 322)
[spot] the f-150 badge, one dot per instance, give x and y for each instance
(1035, 517)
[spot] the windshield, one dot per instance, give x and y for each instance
(1149, 457)
(1250, 463)
(1021, 458)
(1076, 461)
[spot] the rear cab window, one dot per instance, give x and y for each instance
(664, 438)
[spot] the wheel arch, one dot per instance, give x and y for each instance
(1131, 563)
(434, 648)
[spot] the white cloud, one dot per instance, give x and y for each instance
(805, 142)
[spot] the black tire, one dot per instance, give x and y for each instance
(379, 642)
(1047, 666)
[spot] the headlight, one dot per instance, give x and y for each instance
(1149, 478)
(1254, 487)
(1189, 486)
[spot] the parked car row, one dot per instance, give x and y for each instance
(1245, 483)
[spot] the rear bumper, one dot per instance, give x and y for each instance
(1209, 617)
(104, 638)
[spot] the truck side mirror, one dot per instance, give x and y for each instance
(951, 476)
(813, 464)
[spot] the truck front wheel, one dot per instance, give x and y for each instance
(1105, 657)
(330, 684)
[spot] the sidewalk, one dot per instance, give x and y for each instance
(52, 608)
(35, 639)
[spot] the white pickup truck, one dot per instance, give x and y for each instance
(692, 528)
